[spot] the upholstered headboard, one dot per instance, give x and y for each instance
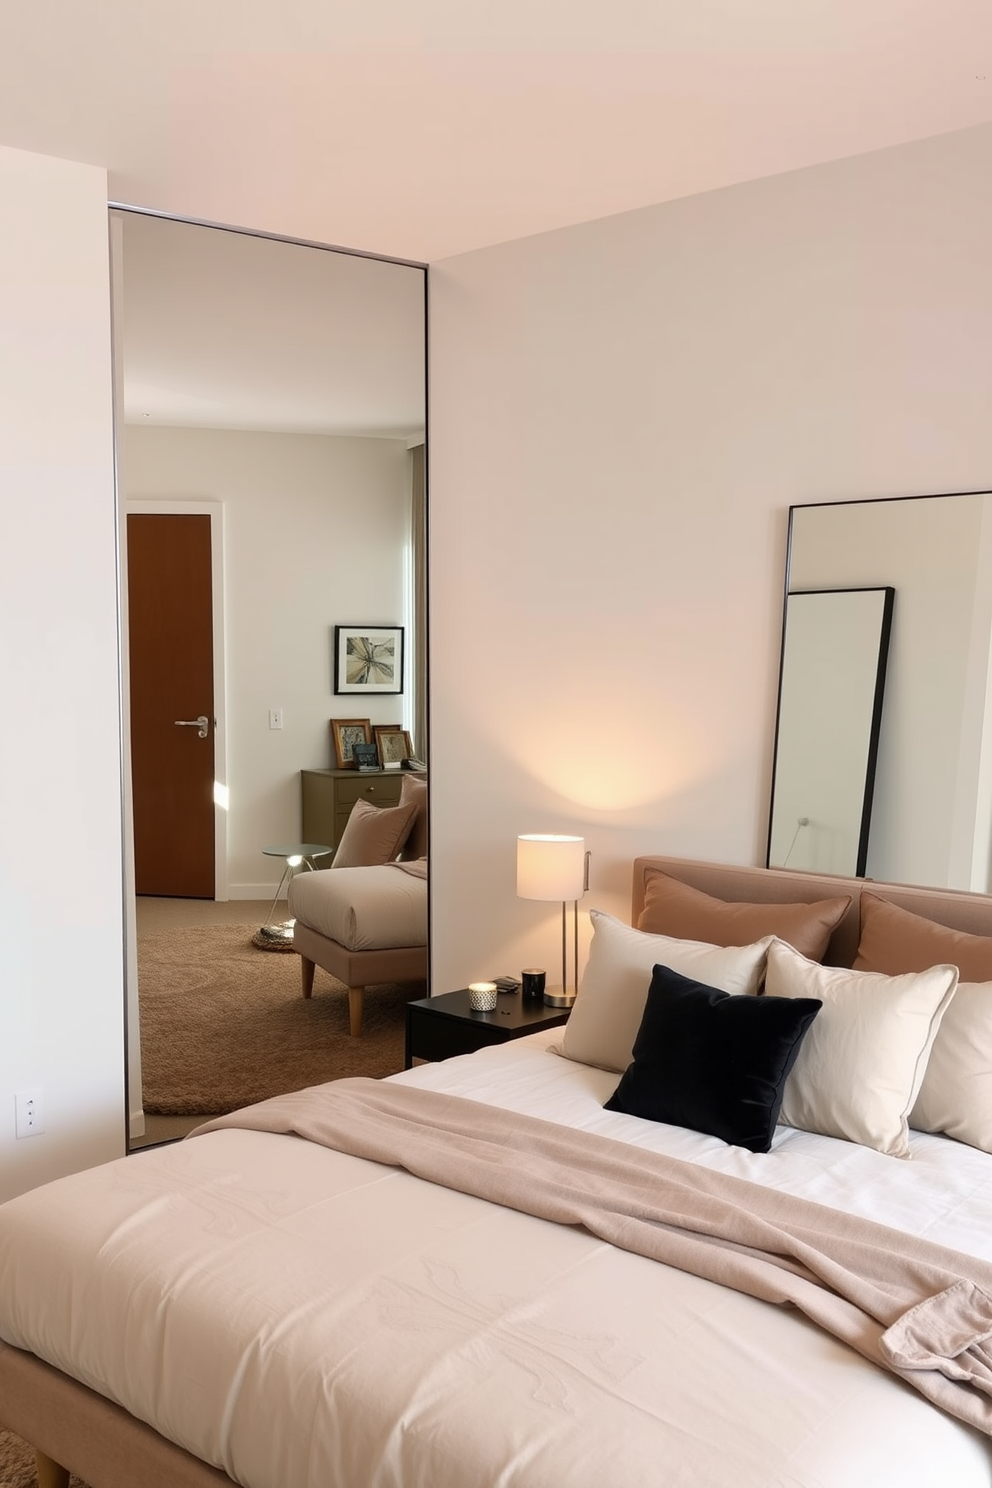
(951, 907)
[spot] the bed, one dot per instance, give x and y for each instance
(271, 1311)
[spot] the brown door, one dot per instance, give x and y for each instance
(170, 638)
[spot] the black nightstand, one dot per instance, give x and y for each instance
(438, 1027)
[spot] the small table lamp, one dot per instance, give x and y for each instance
(555, 867)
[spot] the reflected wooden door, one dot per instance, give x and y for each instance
(170, 638)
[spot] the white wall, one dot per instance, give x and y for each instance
(61, 896)
(621, 414)
(315, 531)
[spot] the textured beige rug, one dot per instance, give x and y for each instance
(224, 1024)
(17, 1464)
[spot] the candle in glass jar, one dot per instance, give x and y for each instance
(482, 996)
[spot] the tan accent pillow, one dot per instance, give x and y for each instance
(603, 1024)
(674, 908)
(862, 1063)
(893, 940)
(413, 792)
(373, 835)
(956, 1094)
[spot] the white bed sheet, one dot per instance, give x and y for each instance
(304, 1319)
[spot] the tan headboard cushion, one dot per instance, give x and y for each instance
(954, 909)
(677, 909)
(894, 940)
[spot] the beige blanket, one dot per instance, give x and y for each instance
(917, 1309)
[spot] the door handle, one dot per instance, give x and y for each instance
(201, 724)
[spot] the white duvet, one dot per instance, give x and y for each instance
(304, 1319)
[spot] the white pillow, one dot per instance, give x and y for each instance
(607, 1013)
(863, 1060)
(956, 1095)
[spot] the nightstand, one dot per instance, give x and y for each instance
(439, 1027)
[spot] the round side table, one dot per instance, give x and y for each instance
(297, 855)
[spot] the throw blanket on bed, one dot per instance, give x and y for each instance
(920, 1310)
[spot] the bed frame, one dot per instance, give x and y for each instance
(74, 1429)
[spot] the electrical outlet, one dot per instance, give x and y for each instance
(29, 1113)
(275, 718)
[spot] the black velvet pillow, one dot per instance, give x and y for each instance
(712, 1061)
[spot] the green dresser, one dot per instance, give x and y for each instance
(329, 795)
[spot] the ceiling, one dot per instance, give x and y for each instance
(424, 128)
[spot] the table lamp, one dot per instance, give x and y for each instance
(555, 867)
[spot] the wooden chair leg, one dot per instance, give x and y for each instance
(50, 1474)
(356, 997)
(308, 968)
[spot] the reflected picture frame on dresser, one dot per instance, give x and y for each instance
(345, 734)
(394, 746)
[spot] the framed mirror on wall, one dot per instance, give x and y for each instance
(930, 817)
(271, 428)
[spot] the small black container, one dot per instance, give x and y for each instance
(532, 984)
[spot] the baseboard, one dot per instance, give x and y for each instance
(252, 891)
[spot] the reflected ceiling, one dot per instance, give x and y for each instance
(226, 330)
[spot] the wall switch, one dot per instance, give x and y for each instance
(29, 1113)
(275, 718)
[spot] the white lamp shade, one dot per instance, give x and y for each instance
(550, 867)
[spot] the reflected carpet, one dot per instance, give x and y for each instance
(224, 1024)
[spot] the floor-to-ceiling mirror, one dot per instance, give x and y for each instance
(931, 813)
(271, 415)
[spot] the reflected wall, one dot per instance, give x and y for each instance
(931, 820)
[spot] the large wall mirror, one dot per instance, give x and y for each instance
(271, 412)
(931, 808)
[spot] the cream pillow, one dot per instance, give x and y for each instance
(956, 1095)
(607, 1013)
(862, 1062)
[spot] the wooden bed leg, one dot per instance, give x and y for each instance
(50, 1474)
(308, 968)
(355, 999)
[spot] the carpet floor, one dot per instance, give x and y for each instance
(224, 1024)
(17, 1464)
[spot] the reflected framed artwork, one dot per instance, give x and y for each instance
(368, 659)
(394, 745)
(346, 733)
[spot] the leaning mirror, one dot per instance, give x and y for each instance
(270, 429)
(826, 741)
(930, 819)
